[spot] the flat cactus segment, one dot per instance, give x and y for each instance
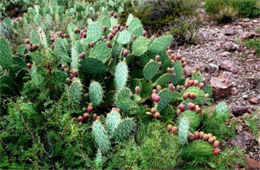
(74, 58)
(112, 121)
(61, 49)
(5, 53)
(134, 83)
(124, 37)
(105, 21)
(183, 131)
(222, 113)
(129, 19)
(37, 78)
(21, 50)
(160, 44)
(208, 89)
(199, 94)
(101, 52)
(95, 93)
(163, 79)
(122, 99)
(34, 38)
(43, 38)
(121, 75)
(75, 91)
(197, 150)
(165, 99)
(140, 46)
(123, 130)
(6, 84)
(193, 118)
(92, 66)
(150, 70)
(113, 21)
(135, 27)
(94, 32)
(101, 137)
(58, 77)
(145, 92)
(197, 76)
(178, 70)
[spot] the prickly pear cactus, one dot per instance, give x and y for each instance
(112, 121)
(165, 99)
(160, 44)
(193, 117)
(94, 32)
(123, 129)
(5, 54)
(122, 99)
(140, 46)
(163, 79)
(124, 37)
(183, 131)
(150, 70)
(34, 38)
(61, 50)
(121, 75)
(92, 66)
(101, 137)
(75, 91)
(95, 93)
(101, 52)
(178, 70)
(198, 92)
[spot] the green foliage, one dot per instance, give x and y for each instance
(95, 93)
(192, 117)
(253, 44)
(121, 75)
(183, 130)
(225, 11)
(150, 70)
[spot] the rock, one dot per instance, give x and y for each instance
(246, 19)
(239, 110)
(227, 65)
(254, 100)
(229, 31)
(213, 69)
(188, 70)
(250, 56)
(234, 91)
(248, 35)
(205, 35)
(230, 46)
(255, 21)
(252, 164)
(242, 139)
(225, 54)
(221, 85)
(245, 96)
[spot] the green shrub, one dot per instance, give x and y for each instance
(253, 44)
(224, 11)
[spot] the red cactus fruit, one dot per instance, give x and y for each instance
(82, 55)
(197, 68)
(90, 108)
(201, 134)
(186, 96)
(186, 85)
(125, 52)
(169, 70)
(178, 111)
(182, 107)
(197, 109)
(210, 140)
(29, 65)
(137, 90)
(191, 136)
(196, 135)
(191, 106)
(52, 39)
(174, 129)
(110, 36)
(94, 116)
(157, 57)
(103, 38)
(156, 98)
(216, 151)
(85, 115)
(153, 110)
(144, 33)
(196, 82)
(91, 44)
(116, 109)
(104, 28)
(201, 85)
(27, 41)
(191, 82)
(216, 144)
(80, 118)
(206, 95)
(205, 137)
(169, 128)
(112, 13)
(154, 91)
(109, 44)
(156, 115)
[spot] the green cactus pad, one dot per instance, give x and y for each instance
(163, 79)
(193, 118)
(112, 121)
(197, 76)
(168, 113)
(178, 70)
(21, 50)
(129, 19)
(61, 49)
(199, 93)
(75, 91)
(92, 66)
(165, 99)
(140, 46)
(101, 52)
(121, 75)
(197, 150)
(37, 78)
(6, 84)
(122, 100)
(208, 89)
(74, 58)
(58, 77)
(160, 44)
(95, 93)
(5, 53)
(221, 112)
(135, 27)
(43, 38)
(94, 32)
(147, 91)
(183, 131)
(34, 38)
(150, 70)
(101, 137)
(105, 21)
(123, 130)
(124, 37)
(134, 83)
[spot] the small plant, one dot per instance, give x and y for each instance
(253, 44)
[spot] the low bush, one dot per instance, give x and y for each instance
(225, 11)
(253, 44)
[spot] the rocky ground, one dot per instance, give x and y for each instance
(232, 70)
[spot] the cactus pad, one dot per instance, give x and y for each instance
(34, 38)
(122, 100)
(75, 91)
(222, 113)
(112, 121)
(163, 79)
(160, 44)
(94, 32)
(199, 94)
(121, 75)
(165, 99)
(193, 118)
(136, 27)
(140, 46)
(183, 131)
(61, 50)
(101, 52)
(95, 93)
(178, 70)
(123, 130)
(92, 66)
(150, 70)
(124, 37)
(5, 53)
(101, 137)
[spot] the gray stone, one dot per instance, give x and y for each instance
(240, 110)
(221, 85)
(229, 31)
(242, 139)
